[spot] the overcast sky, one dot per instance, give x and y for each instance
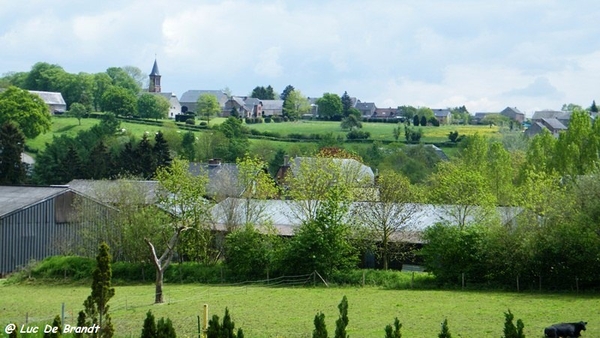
(484, 54)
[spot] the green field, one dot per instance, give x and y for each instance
(379, 131)
(289, 312)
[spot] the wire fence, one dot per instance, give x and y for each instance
(125, 304)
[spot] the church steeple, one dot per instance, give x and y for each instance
(154, 86)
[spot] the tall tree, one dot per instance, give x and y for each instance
(387, 214)
(27, 110)
(295, 105)
(346, 104)
(12, 145)
(96, 305)
(184, 194)
(262, 93)
(102, 82)
(330, 106)
(145, 158)
(122, 79)
(161, 150)
(152, 106)
(188, 146)
(286, 91)
(45, 77)
(119, 101)
(207, 106)
(593, 107)
(342, 322)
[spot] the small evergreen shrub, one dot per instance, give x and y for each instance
(190, 121)
(445, 332)
(395, 331)
(320, 330)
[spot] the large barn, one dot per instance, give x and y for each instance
(38, 222)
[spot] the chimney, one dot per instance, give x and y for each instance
(286, 160)
(214, 162)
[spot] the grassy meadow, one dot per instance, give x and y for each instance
(289, 311)
(379, 131)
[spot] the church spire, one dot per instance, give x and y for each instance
(154, 86)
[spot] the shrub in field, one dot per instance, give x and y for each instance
(225, 330)
(164, 329)
(56, 323)
(149, 329)
(510, 330)
(395, 331)
(320, 330)
(342, 321)
(445, 332)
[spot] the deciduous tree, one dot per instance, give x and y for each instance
(330, 106)
(78, 111)
(119, 101)
(296, 104)
(207, 106)
(27, 110)
(152, 106)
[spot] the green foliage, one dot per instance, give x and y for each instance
(56, 323)
(330, 106)
(320, 330)
(411, 135)
(249, 254)
(149, 329)
(119, 101)
(96, 305)
(207, 106)
(510, 330)
(12, 144)
(295, 105)
(27, 110)
(342, 322)
(453, 136)
(395, 331)
(423, 121)
(225, 330)
(358, 134)
(445, 331)
(165, 329)
(153, 106)
(262, 93)
(78, 111)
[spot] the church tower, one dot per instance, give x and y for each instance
(154, 86)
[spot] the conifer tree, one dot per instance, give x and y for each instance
(164, 329)
(510, 330)
(56, 323)
(320, 330)
(161, 151)
(15, 333)
(81, 321)
(145, 158)
(12, 144)
(342, 321)
(149, 329)
(395, 331)
(96, 305)
(445, 333)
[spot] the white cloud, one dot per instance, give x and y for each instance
(268, 63)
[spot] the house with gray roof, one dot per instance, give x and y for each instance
(563, 116)
(367, 109)
(189, 98)
(386, 114)
(38, 222)
(443, 115)
(514, 114)
(54, 100)
(554, 126)
(272, 107)
(174, 104)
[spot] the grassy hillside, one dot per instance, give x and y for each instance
(379, 131)
(289, 312)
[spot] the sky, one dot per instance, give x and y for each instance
(485, 55)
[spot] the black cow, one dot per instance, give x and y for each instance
(565, 330)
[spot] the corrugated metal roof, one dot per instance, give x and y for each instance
(105, 190)
(13, 198)
(50, 97)
(283, 215)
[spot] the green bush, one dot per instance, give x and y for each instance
(55, 267)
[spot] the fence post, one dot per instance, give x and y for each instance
(205, 323)
(518, 288)
(412, 279)
(577, 283)
(62, 314)
(463, 280)
(363, 280)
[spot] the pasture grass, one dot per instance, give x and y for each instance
(289, 311)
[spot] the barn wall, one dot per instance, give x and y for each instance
(42, 230)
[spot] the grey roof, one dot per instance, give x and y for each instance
(222, 178)
(52, 98)
(280, 214)
(442, 112)
(548, 114)
(365, 106)
(349, 165)
(106, 190)
(272, 104)
(14, 198)
(553, 123)
(513, 110)
(191, 96)
(155, 71)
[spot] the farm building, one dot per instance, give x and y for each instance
(55, 102)
(37, 222)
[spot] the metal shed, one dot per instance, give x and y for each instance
(37, 222)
